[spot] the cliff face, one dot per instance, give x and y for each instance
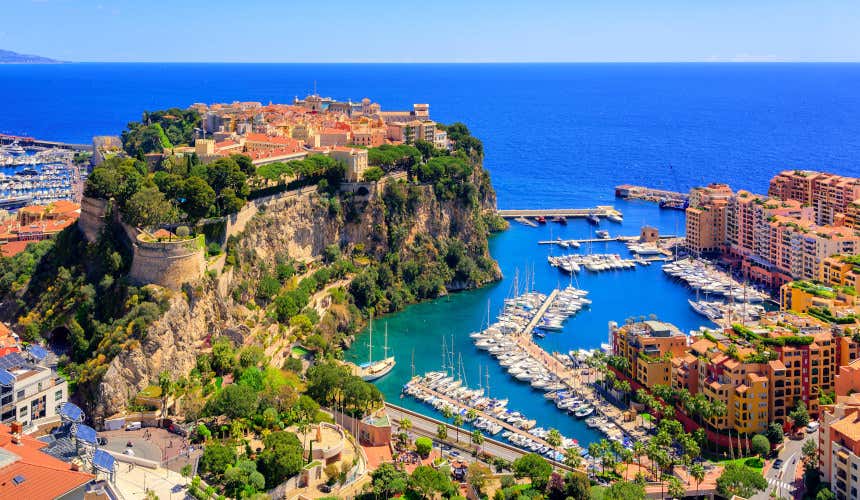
(171, 343)
(298, 227)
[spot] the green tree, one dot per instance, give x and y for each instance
(740, 480)
(148, 208)
(760, 445)
(774, 433)
(477, 475)
(216, 458)
(477, 438)
(800, 415)
(281, 457)
(426, 481)
(197, 198)
(388, 481)
(825, 494)
(423, 446)
(623, 490)
(458, 422)
(577, 486)
(675, 488)
(534, 467)
(234, 401)
(553, 437)
(243, 479)
(373, 174)
(697, 472)
(442, 432)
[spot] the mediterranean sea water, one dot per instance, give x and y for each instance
(555, 135)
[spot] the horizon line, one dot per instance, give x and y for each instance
(739, 60)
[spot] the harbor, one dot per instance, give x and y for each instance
(424, 328)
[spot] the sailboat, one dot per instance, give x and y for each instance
(374, 370)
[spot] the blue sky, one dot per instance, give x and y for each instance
(433, 31)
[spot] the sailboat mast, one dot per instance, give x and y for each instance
(487, 385)
(385, 345)
(370, 341)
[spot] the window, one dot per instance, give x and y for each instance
(20, 394)
(22, 411)
(58, 395)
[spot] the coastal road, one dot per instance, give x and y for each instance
(782, 480)
(426, 426)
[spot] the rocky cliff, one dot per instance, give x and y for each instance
(409, 220)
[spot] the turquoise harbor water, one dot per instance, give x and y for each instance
(616, 295)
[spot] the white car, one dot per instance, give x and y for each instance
(812, 427)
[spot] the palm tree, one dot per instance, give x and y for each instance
(442, 432)
(458, 422)
(405, 425)
(572, 458)
(471, 414)
(697, 472)
(478, 439)
(626, 457)
(447, 412)
(165, 383)
(638, 451)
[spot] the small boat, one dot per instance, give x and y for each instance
(593, 219)
(602, 234)
(560, 220)
(615, 218)
(583, 412)
(540, 219)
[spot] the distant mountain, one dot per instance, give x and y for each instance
(9, 57)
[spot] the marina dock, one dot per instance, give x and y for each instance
(598, 240)
(487, 416)
(540, 312)
(599, 211)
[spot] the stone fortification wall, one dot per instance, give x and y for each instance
(168, 263)
(92, 219)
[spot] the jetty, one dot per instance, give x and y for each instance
(598, 240)
(31, 142)
(540, 312)
(599, 211)
(632, 192)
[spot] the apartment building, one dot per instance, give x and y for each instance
(649, 347)
(30, 391)
(706, 219)
(839, 446)
(840, 271)
(742, 387)
(828, 194)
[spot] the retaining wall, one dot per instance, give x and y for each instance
(168, 263)
(92, 218)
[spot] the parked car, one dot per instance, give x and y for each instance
(777, 464)
(102, 441)
(812, 427)
(133, 426)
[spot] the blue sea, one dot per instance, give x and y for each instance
(555, 135)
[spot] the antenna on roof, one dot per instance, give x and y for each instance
(315, 87)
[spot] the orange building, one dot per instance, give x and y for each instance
(648, 348)
(706, 219)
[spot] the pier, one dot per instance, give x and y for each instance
(540, 312)
(631, 192)
(31, 142)
(488, 416)
(599, 211)
(598, 240)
